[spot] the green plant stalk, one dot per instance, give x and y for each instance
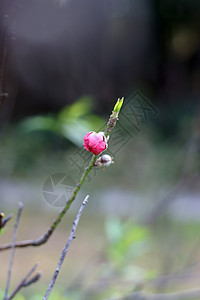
(110, 125)
(44, 238)
(82, 180)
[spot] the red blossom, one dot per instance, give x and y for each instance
(95, 142)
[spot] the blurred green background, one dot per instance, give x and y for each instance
(66, 63)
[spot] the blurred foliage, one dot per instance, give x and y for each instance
(28, 143)
(126, 241)
(133, 257)
(72, 122)
(56, 294)
(47, 140)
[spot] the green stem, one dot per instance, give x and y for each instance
(44, 238)
(111, 123)
(69, 202)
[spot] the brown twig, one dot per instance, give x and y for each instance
(13, 249)
(44, 238)
(65, 250)
(26, 281)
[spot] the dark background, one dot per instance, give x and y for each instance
(58, 51)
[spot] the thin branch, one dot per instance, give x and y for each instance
(13, 248)
(65, 250)
(25, 281)
(32, 280)
(44, 238)
(191, 294)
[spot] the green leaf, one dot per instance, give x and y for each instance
(81, 107)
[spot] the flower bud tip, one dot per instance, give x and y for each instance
(118, 105)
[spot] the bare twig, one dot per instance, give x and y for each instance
(32, 280)
(65, 250)
(191, 294)
(13, 249)
(26, 281)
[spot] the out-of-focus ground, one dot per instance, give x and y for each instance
(145, 173)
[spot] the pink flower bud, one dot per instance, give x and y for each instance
(95, 142)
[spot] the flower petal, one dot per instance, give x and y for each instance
(87, 135)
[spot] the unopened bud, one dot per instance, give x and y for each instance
(117, 107)
(104, 161)
(95, 142)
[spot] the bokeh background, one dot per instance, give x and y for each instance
(63, 64)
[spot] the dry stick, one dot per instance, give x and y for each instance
(65, 250)
(25, 282)
(44, 238)
(13, 248)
